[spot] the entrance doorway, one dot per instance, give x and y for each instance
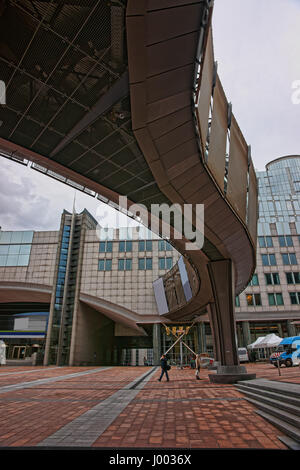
(180, 353)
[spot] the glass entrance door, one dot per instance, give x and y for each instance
(179, 355)
(19, 352)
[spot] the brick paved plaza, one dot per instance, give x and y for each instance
(110, 407)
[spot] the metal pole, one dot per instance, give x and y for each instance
(178, 339)
(188, 347)
(181, 354)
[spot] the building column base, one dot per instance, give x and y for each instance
(230, 375)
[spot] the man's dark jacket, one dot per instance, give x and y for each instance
(164, 363)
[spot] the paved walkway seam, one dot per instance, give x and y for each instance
(34, 383)
(87, 428)
(29, 371)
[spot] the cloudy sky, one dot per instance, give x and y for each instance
(257, 46)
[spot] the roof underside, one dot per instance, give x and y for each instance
(65, 67)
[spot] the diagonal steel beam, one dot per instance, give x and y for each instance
(118, 91)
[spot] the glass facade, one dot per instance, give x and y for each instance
(268, 294)
(15, 248)
(279, 195)
(59, 294)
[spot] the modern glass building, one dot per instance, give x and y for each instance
(271, 302)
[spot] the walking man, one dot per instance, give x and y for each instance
(164, 367)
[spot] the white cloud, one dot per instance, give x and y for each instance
(31, 200)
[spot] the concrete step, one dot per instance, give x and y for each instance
(282, 415)
(289, 442)
(284, 388)
(290, 430)
(279, 400)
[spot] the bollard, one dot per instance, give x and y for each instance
(278, 366)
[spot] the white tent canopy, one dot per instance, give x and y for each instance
(269, 341)
(257, 343)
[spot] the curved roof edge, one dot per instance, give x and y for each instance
(276, 160)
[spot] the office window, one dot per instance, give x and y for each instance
(272, 279)
(101, 265)
(285, 240)
(128, 264)
(105, 247)
(141, 264)
(254, 281)
(161, 245)
(275, 299)
(265, 242)
(108, 264)
(268, 260)
(289, 258)
(165, 263)
(145, 263)
(293, 278)
(164, 246)
(145, 245)
(253, 300)
(125, 264)
(295, 298)
(104, 264)
(148, 245)
(125, 246)
(148, 263)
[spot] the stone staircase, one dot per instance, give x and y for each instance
(278, 403)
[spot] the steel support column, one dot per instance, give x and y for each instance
(223, 323)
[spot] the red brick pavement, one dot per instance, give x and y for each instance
(27, 416)
(171, 414)
(182, 413)
(15, 375)
(268, 371)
